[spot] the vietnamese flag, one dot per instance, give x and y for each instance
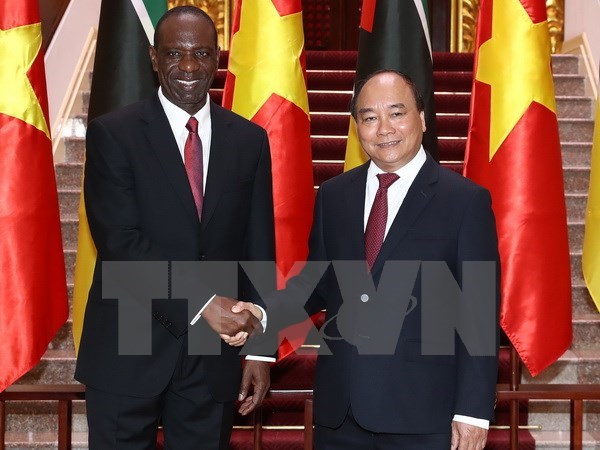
(266, 83)
(513, 149)
(33, 289)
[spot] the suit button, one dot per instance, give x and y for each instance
(202, 257)
(364, 298)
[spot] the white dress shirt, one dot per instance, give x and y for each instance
(396, 195)
(178, 120)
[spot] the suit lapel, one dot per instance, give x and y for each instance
(355, 206)
(219, 162)
(419, 195)
(161, 139)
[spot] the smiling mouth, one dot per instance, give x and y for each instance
(388, 144)
(188, 84)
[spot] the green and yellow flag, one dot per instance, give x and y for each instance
(122, 75)
(395, 35)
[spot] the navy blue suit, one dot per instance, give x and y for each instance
(444, 217)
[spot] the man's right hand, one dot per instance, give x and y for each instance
(240, 339)
(220, 317)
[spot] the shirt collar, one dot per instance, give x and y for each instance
(178, 118)
(407, 172)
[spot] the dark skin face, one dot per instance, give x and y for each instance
(186, 58)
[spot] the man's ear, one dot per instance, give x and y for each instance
(423, 121)
(153, 57)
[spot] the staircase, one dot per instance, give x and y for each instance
(330, 80)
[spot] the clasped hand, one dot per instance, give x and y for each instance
(234, 321)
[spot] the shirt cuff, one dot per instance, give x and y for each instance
(481, 423)
(197, 316)
(260, 358)
(263, 321)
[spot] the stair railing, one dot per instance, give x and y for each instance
(66, 394)
(575, 393)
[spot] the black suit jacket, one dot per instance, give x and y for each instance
(445, 218)
(140, 208)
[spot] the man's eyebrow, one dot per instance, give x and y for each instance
(365, 110)
(392, 106)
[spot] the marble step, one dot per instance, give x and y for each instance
(70, 229)
(576, 271)
(573, 106)
(569, 84)
(74, 149)
(576, 154)
(41, 416)
(55, 367)
(559, 440)
(586, 332)
(576, 206)
(553, 415)
(575, 366)
(576, 230)
(577, 180)
(68, 202)
(70, 256)
(576, 130)
(42, 441)
(565, 64)
(69, 175)
(582, 301)
(63, 339)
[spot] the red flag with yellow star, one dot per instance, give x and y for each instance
(266, 83)
(513, 149)
(33, 293)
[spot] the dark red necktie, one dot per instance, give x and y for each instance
(192, 154)
(375, 230)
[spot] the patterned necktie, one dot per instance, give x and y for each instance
(192, 155)
(375, 230)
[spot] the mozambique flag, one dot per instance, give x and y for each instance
(395, 35)
(591, 241)
(266, 83)
(513, 149)
(33, 289)
(122, 75)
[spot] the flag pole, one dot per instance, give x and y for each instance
(515, 377)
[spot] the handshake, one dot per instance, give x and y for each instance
(233, 320)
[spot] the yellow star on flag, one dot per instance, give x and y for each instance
(264, 58)
(516, 63)
(19, 47)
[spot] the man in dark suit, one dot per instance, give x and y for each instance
(401, 206)
(174, 178)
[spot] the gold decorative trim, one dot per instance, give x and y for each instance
(218, 10)
(555, 10)
(463, 27)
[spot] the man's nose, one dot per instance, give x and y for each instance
(384, 127)
(188, 63)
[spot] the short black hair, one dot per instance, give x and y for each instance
(411, 84)
(183, 10)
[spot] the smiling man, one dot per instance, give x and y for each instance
(401, 206)
(174, 178)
